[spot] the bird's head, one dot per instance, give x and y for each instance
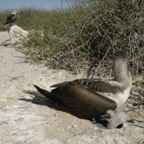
(14, 13)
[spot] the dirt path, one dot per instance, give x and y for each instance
(24, 122)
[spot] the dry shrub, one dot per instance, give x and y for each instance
(107, 26)
(94, 32)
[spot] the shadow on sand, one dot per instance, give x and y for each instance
(98, 122)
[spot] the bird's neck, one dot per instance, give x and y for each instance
(122, 75)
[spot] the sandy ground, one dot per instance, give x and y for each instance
(27, 121)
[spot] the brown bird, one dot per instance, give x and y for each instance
(89, 98)
(11, 18)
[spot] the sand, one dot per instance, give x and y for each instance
(27, 121)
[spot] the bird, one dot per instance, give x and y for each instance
(92, 98)
(11, 19)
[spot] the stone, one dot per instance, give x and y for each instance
(16, 35)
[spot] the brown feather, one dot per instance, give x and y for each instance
(95, 85)
(11, 19)
(82, 102)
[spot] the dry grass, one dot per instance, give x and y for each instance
(87, 35)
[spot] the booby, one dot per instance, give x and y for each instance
(91, 98)
(11, 18)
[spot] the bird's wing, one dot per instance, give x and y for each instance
(10, 17)
(93, 84)
(81, 101)
(61, 84)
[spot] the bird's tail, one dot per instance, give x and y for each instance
(35, 94)
(44, 94)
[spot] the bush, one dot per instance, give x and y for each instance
(89, 34)
(3, 16)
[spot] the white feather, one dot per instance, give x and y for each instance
(121, 97)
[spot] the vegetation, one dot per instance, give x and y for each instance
(86, 35)
(3, 16)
